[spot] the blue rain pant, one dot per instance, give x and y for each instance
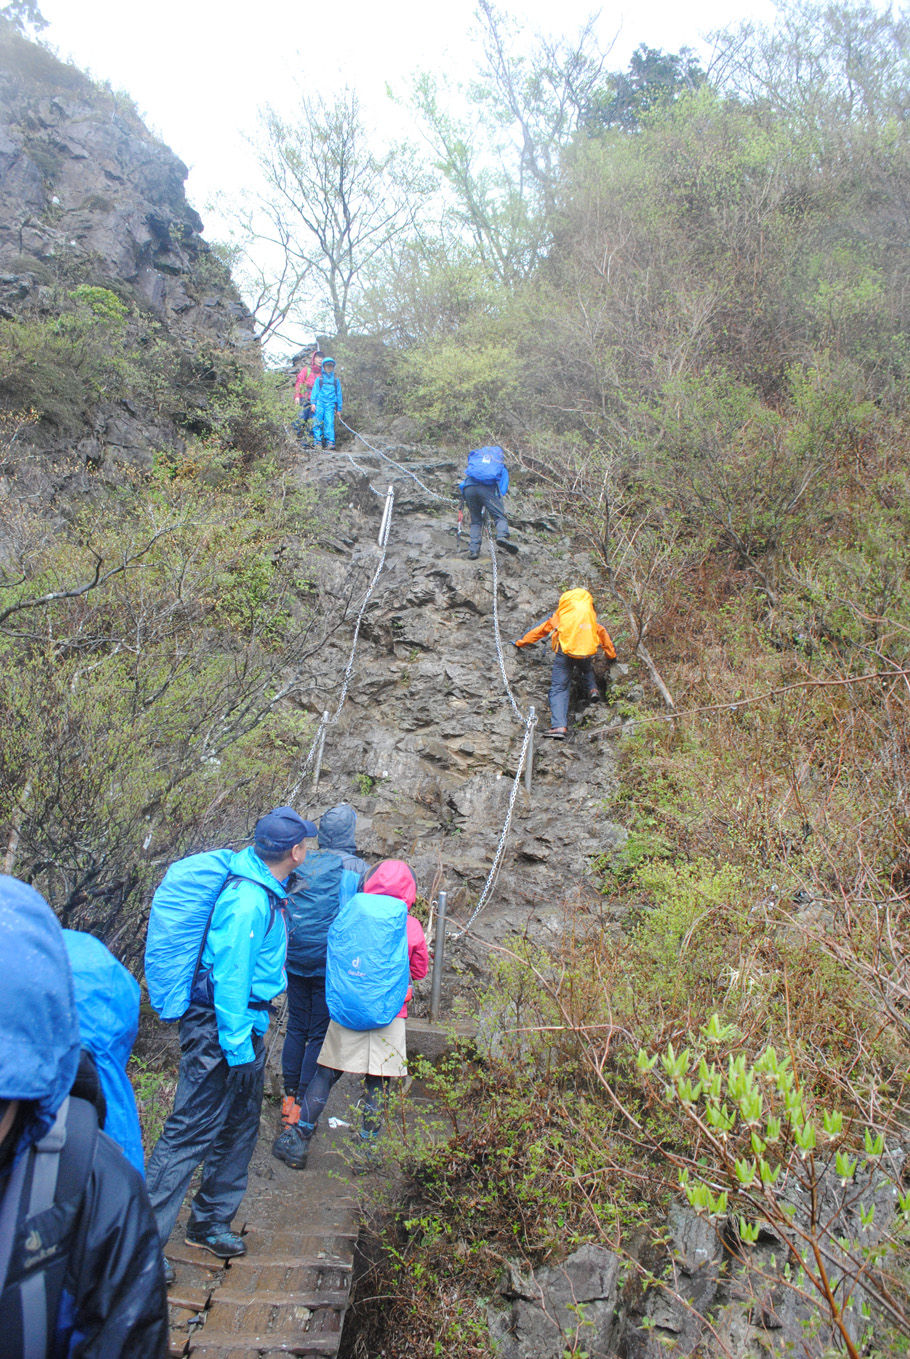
(208, 1125)
(308, 1022)
(485, 499)
(323, 423)
(313, 1100)
(564, 667)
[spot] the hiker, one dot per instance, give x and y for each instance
(367, 1029)
(303, 389)
(576, 637)
(239, 970)
(326, 398)
(107, 1004)
(485, 482)
(328, 879)
(86, 1278)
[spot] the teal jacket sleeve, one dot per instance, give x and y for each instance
(239, 925)
(338, 395)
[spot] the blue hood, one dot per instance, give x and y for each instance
(107, 1001)
(336, 829)
(39, 1053)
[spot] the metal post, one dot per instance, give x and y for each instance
(529, 766)
(438, 954)
(386, 515)
(319, 749)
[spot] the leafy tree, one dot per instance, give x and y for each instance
(331, 210)
(654, 78)
(24, 16)
(503, 163)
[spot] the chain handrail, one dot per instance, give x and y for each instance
(496, 633)
(451, 500)
(326, 721)
(500, 848)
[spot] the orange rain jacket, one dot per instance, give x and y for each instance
(551, 625)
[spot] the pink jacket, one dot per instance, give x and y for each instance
(393, 878)
(306, 377)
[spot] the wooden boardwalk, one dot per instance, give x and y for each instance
(289, 1293)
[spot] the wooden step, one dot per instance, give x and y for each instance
(217, 1346)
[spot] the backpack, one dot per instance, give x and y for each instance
(576, 624)
(485, 465)
(323, 885)
(182, 910)
(368, 972)
(320, 380)
(50, 1178)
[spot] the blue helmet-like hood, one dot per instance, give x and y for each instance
(39, 1053)
(336, 829)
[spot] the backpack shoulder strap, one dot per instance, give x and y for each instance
(60, 1166)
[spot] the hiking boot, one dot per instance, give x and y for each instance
(290, 1111)
(508, 545)
(593, 695)
(169, 1275)
(472, 556)
(218, 1238)
(330, 447)
(292, 1146)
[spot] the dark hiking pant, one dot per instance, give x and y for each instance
(564, 667)
(210, 1125)
(313, 1100)
(308, 1022)
(480, 499)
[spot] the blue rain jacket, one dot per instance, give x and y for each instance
(326, 392)
(107, 1002)
(39, 1052)
(245, 954)
(337, 829)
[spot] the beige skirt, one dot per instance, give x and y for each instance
(375, 1052)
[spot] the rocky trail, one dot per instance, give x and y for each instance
(425, 747)
(427, 743)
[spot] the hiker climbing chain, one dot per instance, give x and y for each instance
(528, 721)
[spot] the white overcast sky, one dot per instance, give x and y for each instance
(200, 69)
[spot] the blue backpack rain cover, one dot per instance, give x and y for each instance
(181, 911)
(312, 906)
(485, 464)
(368, 971)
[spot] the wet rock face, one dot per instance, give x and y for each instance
(427, 744)
(83, 183)
(554, 1311)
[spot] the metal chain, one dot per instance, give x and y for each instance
(451, 500)
(362, 470)
(324, 721)
(502, 663)
(500, 848)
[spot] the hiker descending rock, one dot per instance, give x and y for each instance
(215, 958)
(375, 948)
(80, 1261)
(329, 878)
(576, 636)
(303, 393)
(326, 398)
(107, 1003)
(485, 482)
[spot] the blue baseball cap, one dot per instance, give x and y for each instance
(279, 830)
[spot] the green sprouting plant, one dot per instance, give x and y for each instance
(775, 1161)
(365, 783)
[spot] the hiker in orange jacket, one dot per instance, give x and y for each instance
(576, 635)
